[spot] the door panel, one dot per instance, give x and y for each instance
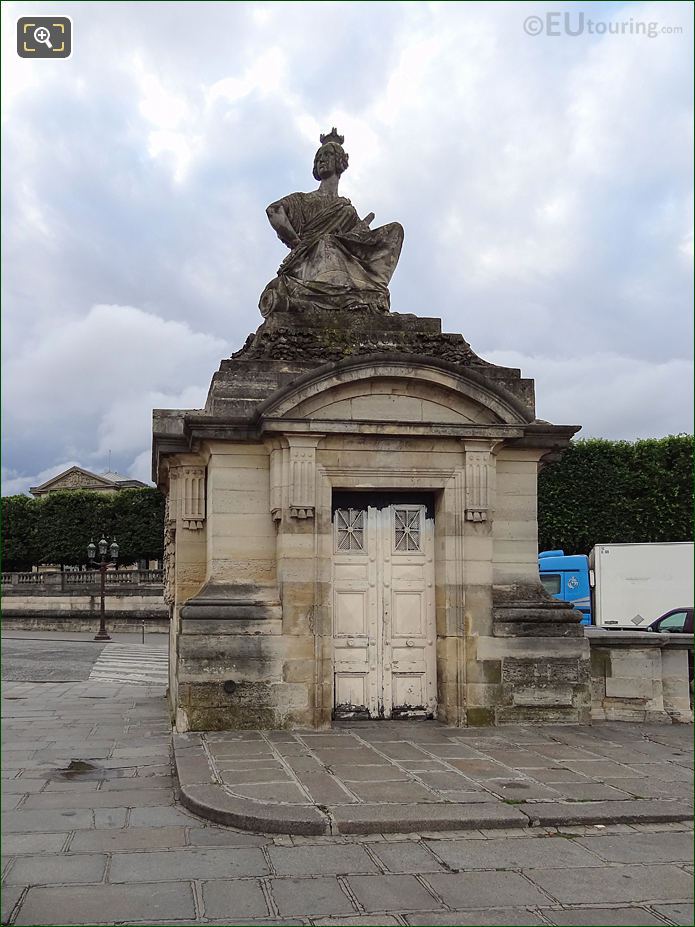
(383, 607)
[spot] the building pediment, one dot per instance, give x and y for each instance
(391, 390)
(79, 478)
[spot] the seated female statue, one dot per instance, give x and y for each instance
(336, 261)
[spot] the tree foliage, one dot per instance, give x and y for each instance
(617, 492)
(57, 527)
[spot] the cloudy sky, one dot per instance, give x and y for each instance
(544, 183)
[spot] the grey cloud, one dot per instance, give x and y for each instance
(543, 186)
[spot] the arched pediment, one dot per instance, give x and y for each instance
(381, 389)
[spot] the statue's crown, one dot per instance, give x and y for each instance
(332, 136)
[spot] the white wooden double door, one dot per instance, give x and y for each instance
(384, 639)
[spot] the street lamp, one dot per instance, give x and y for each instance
(102, 563)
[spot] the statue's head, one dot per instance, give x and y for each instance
(331, 158)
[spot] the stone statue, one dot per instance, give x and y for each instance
(336, 261)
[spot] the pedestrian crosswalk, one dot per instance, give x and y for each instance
(132, 663)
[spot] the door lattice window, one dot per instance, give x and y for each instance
(349, 524)
(407, 529)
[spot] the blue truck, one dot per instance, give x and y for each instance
(621, 585)
(567, 577)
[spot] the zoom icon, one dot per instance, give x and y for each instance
(44, 37)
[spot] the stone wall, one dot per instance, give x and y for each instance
(640, 676)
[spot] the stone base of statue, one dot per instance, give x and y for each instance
(351, 533)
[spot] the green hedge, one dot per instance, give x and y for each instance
(57, 527)
(617, 492)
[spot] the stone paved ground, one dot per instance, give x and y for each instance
(380, 761)
(92, 834)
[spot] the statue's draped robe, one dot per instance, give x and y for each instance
(339, 263)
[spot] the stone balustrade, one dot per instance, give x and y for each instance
(640, 675)
(51, 581)
(51, 600)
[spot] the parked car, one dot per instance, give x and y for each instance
(676, 621)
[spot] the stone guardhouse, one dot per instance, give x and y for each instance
(351, 526)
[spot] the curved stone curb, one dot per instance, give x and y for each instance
(414, 818)
(200, 793)
(211, 801)
(639, 811)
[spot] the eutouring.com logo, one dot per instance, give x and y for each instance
(44, 37)
(576, 23)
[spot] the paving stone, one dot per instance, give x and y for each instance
(590, 791)
(631, 884)
(60, 785)
(521, 853)
(465, 797)
(666, 772)
(407, 856)
(600, 769)
(310, 897)
(88, 799)
(481, 769)
(132, 838)
(425, 765)
(391, 792)
(162, 903)
(160, 817)
(552, 774)
(391, 893)
(42, 870)
(321, 860)
(22, 786)
(11, 802)
(519, 759)
(329, 740)
(369, 773)
(41, 822)
(9, 897)
(149, 782)
(263, 774)
(651, 788)
(234, 899)
(403, 751)
(146, 771)
(110, 817)
(450, 751)
(470, 890)
(678, 913)
(518, 789)
(642, 848)
(194, 862)
(272, 792)
(246, 748)
(603, 917)
(357, 920)
(17, 844)
(357, 756)
(225, 837)
(492, 916)
(324, 790)
(446, 779)
(564, 752)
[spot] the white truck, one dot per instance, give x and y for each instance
(635, 583)
(622, 585)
